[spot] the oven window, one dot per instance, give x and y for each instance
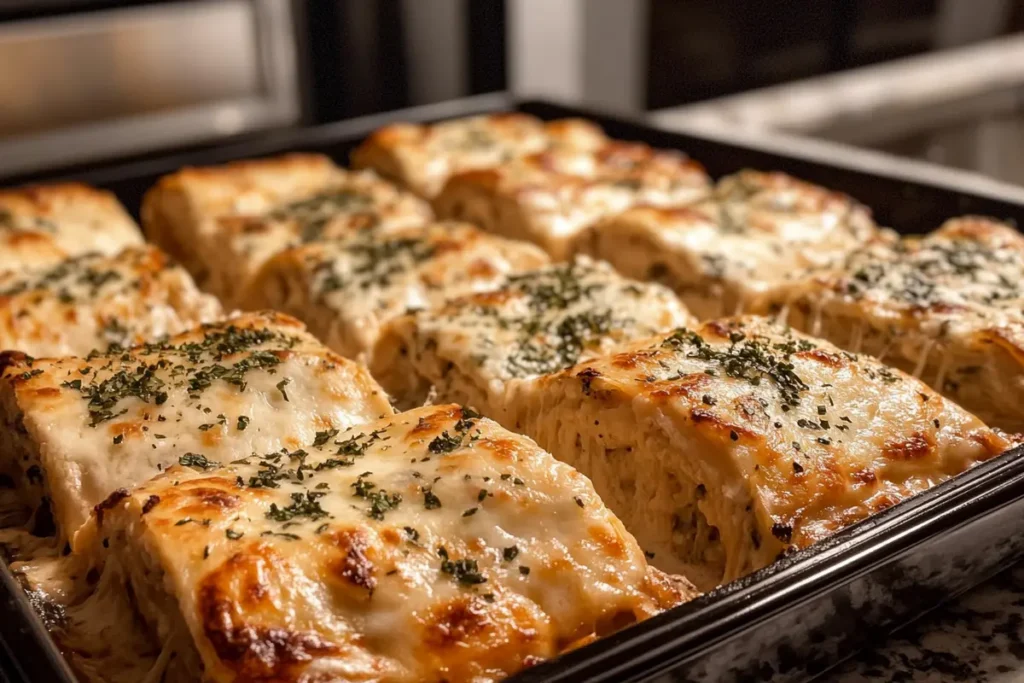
(701, 49)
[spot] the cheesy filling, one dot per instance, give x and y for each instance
(90, 614)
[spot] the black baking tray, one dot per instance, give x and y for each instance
(788, 622)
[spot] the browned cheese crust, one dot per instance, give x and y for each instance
(429, 546)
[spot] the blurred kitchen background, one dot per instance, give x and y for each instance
(87, 80)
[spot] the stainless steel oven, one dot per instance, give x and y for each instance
(84, 80)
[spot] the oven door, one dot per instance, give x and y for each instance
(97, 83)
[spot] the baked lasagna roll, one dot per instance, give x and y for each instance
(95, 301)
(423, 157)
(470, 348)
(431, 545)
(549, 198)
(726, 445)
(77, 428)
(345, 290)
(946, 308)
(354, 201)
(209, 217)
(724, 254)
(46, 223)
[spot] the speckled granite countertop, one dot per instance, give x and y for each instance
(979, 637)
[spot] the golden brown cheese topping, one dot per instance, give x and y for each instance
(345, 290)
(423, 157)
(429, 546)
(242, 242)
(946, 307)
(95, 301)
(549, 198)
(26, 248)
(536, 322)
(46, 223)
(180, 212)
(78, 428)
(725, 254)
(726, 445)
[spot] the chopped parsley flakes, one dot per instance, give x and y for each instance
(380, 500)
(302, 505)
(751, 359)
(465, 571)
(149, 380)
(196, 460)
